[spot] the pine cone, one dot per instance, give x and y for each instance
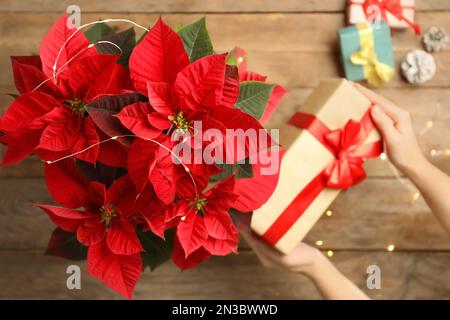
(435, 39)
(418, 67)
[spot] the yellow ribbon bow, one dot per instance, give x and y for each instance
(375, 72)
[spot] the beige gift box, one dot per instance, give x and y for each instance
(357, 15)
(334, 102)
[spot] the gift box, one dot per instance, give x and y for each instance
(327, 141)
(396, 13)
(366, 52)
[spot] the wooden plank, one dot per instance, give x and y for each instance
(303, 36)
(376, 214)
(371, 215)
(32, 227)
(412, 275)
(31, 167)
(268, 32)
(196, 6)
(302, 69)
(420, 102)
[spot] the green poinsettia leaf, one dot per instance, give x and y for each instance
(13, 95)
(115, 103)
(242, 170)
(99, 172)
(235, 57)
(179, 27)
(196, 40)
(65, 245)
(141, 37)
(231, 60)
(125, 40)
(253, 97)
(242, 220)
(227, 170)
(97, 31)
(157, 251)
(102, 111)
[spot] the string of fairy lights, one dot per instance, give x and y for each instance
(414, 193)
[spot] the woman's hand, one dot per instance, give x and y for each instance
(310, 261)
(396, 128)
(404, 152)
(302, 259)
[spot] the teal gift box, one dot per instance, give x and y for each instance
(366, 51)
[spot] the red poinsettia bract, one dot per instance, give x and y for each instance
(106, 224)
(179, 93)
(48, 117)
(204, 225)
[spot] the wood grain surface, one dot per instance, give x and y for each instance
(405, 275)
(307, 43)
(294, 43)
(364, 217)
(169, 6)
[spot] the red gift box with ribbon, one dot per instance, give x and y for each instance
(396, 13)
(327, 141)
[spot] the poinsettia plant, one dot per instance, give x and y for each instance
(100, 109)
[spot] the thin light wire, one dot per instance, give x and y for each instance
(129, 136)
(74, 56)
(430, 123)
(83, 50)
(87, 25)
(41, 84)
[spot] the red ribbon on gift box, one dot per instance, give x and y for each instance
(349, 149)
(394, 7)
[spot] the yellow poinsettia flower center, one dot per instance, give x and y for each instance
(107, 214)
(199, 205)
(77, 107)
(179, 121)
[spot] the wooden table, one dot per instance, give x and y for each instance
(293, 42)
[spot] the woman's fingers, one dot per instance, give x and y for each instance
(384, 123)
(257, 244)
(394, 112)
(263, 250)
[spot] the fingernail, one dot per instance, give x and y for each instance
(376, 110)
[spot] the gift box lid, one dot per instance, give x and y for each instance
(349, 39)
(334, 102)
(359, 11)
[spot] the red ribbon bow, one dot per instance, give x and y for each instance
(349, 147)
(394, 7)
(347, 169)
